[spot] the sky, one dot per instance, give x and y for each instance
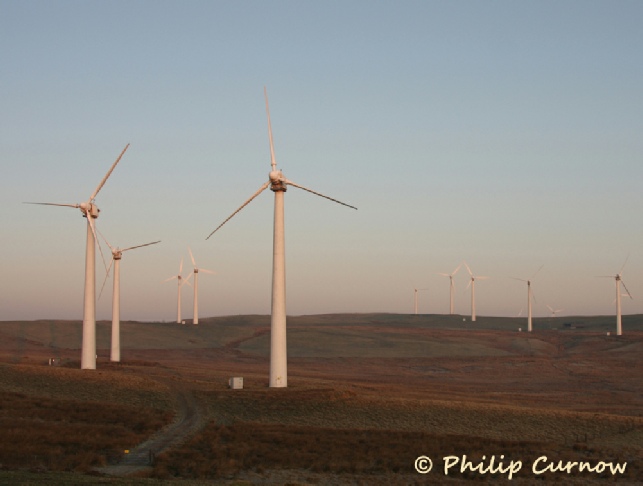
(504, 134)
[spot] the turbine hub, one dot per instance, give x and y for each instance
(88, 208)
(277, 181)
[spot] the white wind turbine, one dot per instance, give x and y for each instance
(195, 320)
(529, 296)
(451, 286)
(90, 211)
(554, 312)
(278, 184)
(619, 281)
(181, 281)
(117, 254)
(415, 298)
(472, 283)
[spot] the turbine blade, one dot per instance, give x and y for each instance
(140, 246)
(263, 188)
(628, 292)
(541, 267)
(109, 172)
(318, 194)
(105, 239)
(192, 257)
(207, 271)
(92, 225)
(54, 204)
(168, 279)
(181, 266)
(456, 269)
(186, 279)
(444, 274)
(468, 269)
(273, 162)
(521, 279)
(105, 279)
(621, 270)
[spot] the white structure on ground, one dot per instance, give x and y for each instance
(529, 297)
(278, 184)
(90, 211)
(472, 283)
(195, 319)
(117, 253)
(451, 287)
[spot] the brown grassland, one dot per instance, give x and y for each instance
(367, 395)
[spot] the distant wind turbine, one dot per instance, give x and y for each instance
(451, 286)
(415, 297)
(554, 312)
(472, 284)
(529, 296)
(618, 278)
(90, 211)
(278, 184)
(117, 253)
(195, 319)
(181, 281)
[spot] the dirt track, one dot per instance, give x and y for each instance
(189, 418)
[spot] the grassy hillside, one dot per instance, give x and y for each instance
(378, 389)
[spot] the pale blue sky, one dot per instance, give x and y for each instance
(507, 134)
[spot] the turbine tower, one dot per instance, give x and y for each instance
(278, 184)
(529, 296)
(117, 253)
(451, 286)
(472, 283)
(195, 320)
(415, 298)
(90, 211)
(618, 278)
(181, 281)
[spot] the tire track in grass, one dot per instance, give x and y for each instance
(189, 418)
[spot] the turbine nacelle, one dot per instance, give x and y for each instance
(89, 208)
(277, 181)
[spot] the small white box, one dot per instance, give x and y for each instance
(236, 382)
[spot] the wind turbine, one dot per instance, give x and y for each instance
(451, 286)
(181, 281)
(195, 320)
(554, 312)
(117, 254)
(529, 296)
(472, 283)
(90, 211)
(619, 281)
(278, 184)
(415, 296)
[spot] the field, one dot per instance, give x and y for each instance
(367, 395)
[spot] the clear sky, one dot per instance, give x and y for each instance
(507, 134)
